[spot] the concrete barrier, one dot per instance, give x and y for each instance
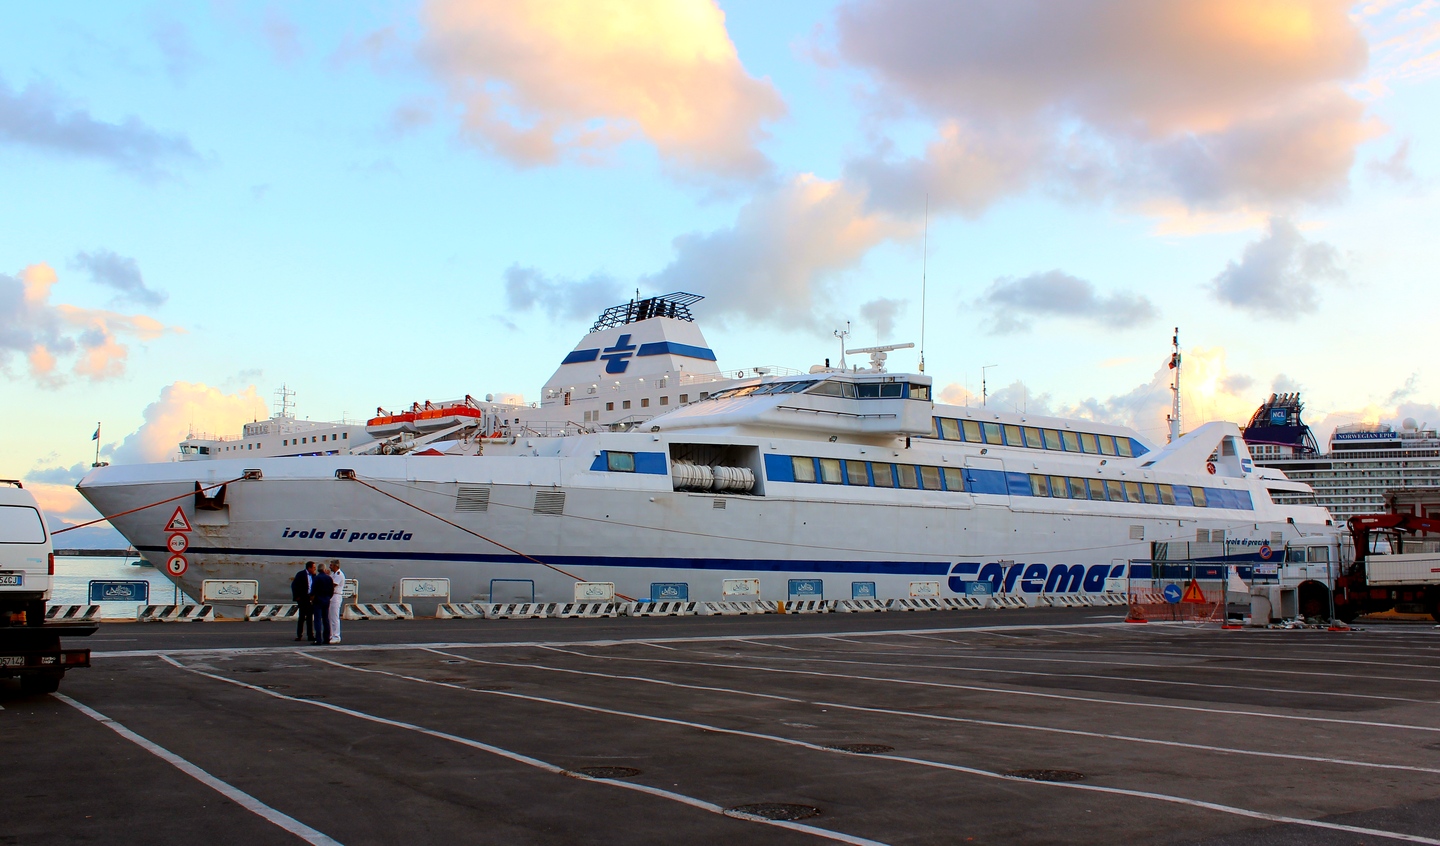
(588, 610)
(806, 606)
(460, 611)
(916, 604)
(1008, 600)
(72, 613)
(378, 611)
(858, 605)
(264, 613)
(514, 610)
(731, 609)
(965, 603)
(176, 614)
(669, 608)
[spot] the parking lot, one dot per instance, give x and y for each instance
(988, 727)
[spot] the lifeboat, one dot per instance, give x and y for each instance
(384, 423)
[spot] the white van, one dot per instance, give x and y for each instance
(27, 560)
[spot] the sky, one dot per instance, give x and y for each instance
(379, 203)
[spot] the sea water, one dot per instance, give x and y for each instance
(73, 574)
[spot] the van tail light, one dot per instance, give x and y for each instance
(52, 563)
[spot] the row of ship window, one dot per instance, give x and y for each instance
(1034, 437)
(882, 474)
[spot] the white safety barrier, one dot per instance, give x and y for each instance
(916, 604)
(587, 610)
(176, 614)
(731, 609)
(1113, 598)
(964, 603)
(1008, 600)
(513, 610)
(855, 605)
(72, 613)
(262, 613)
(806, 606)
(378, 611)
(669, 608)
(1062, 600)
(460, 611)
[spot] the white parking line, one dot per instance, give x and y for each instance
(1226, 712)
(234, 794)
(929, 716)
(825, 833)
(975, 771)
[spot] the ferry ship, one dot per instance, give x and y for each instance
(1364, 464)
(840, 482)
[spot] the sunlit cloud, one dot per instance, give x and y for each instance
(540, 81)
(184, 408)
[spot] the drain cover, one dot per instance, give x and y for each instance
(863, 748)
(774, 811)
(1047, 775)
(607, 772)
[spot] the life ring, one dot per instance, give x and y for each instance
(1210, 467)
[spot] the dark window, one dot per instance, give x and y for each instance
(620, 462)
(920, 392)
(1197, 494)
(1132, 492)
(1167, 494)
(1151, 492)
(609, 406)
(1114, 491)
(1058, 487)
(892, 390)
(1077, 489)
(1039, 486)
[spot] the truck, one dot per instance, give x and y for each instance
(1394, 566)
(29, 643)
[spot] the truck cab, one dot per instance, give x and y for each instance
(27, 560)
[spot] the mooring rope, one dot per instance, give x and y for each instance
(143, 507)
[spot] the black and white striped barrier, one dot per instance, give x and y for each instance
(378, 611)
(804, 606)
(856, 605)
(1008, 600)
(964, 603)
(1112, 598)
(460, 611)
(732, 609)
(587, 610)
(917, 603)
(72, 613)
(514, 610)
(176, 614)
(668, 608)
(263, 613)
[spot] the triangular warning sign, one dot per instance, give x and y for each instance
(1192, 593)
(178, 523)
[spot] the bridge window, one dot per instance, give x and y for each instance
(1151, 492)
(972, 431)
(1039, 486)
(1123, 446)
(1107, 444)
(930, 478)
(1132, 492)
(1197, 495)
(949, 429)
(1167, 494)
(1088, 443)
(954, 481)
(830, 471)
(804, 469)
(1072, 442)
(992, 433)
(920, 392)
(1077, 489)
(856, 474)
(884, 474)
(829, 388)
(1058, 487)
(907, 475)
(1033, 438)
(1012, 436)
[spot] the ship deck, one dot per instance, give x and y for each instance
(894, 728)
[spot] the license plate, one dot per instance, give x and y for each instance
(11, 579)
(12, 660)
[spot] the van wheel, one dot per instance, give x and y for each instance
(41, 683)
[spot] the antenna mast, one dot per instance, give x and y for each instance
(841, 334)
(924, 272)
(984, 389)
(284, 398)
(1174, 417)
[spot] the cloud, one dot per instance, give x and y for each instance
(282, 37)
(962, 171)
(39, 118)
(183, 408)
(1396, 166)
(58, 475)
(1055, 293)
(43, 333)
(538, 81)
(1215, 105)
(177, 49)
(121, 273)
(785, 246)
(527, 288)
(1280, 275)
(882, 313)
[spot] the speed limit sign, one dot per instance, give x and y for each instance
(177, 565)
(178, 543)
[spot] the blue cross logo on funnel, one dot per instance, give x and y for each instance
(617, 357)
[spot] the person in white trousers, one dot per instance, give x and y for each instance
(338, 577)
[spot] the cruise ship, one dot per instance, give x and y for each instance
(1364, 461)
(839, 482)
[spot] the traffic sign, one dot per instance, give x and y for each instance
(1192, 593)
(1171, 593)
(178, 543)
(178, 523)
(177, 565)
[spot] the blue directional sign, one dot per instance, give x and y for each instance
(1172, 593)
(980, 588)
(862, 590)
(669, 591)
(119, 590)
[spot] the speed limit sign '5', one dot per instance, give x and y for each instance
(177, 565)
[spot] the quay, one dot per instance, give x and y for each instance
(1045, 726)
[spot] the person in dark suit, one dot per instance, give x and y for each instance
(300, 587)
(322, 589)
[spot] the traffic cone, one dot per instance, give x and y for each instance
(1135, 615)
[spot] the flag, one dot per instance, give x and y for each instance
(1174, 360)
(96, 436)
